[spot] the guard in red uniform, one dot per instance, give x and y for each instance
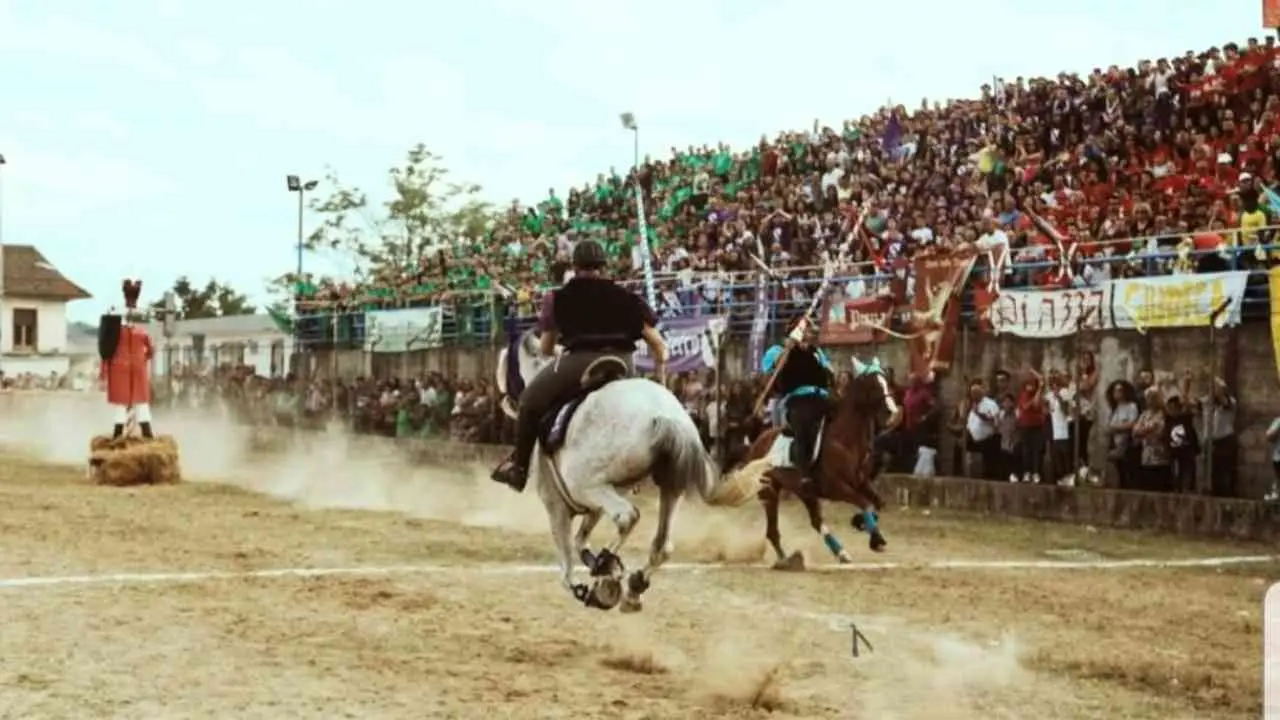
(126, 352)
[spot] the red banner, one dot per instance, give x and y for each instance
(1271, 14)
(940, 278)
(856, 321)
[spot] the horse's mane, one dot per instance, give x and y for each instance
(863, 395)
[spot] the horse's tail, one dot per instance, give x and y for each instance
(681, 458)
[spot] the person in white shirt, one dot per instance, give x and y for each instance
(1273, 437)
(1060, 399)
(980, 429)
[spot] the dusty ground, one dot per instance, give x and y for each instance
(462, 627)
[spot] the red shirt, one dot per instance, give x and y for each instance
(1031, 409)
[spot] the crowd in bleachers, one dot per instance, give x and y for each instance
(1121, 165)
(1165, 167)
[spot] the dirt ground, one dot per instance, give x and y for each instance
(444, 606)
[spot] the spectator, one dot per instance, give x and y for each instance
(1273, 437)
(1151, 433)
(1010, 448)
(1060, 400)
(1031, 422)
(1219, 423)
(1184, 444)
(980, 428)
(1122, 401)
(1084, 388)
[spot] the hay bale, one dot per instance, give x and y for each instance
(126, 461)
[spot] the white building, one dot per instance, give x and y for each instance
(33, 314)
(205, 343)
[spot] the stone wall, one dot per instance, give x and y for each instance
(1182, 514)
(1243, 356)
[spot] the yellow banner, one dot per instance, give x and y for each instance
(1273, 280)
(1171, 301)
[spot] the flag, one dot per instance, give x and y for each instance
(892, 137)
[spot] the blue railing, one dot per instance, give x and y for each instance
(478, 318)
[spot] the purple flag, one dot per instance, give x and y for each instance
(892, 137)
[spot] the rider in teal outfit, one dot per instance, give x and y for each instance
(803, 388)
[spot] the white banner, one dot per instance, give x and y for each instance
(1050, 313)
(395, 331)
(1178, 300)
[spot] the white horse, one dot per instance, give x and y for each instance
(620, 434)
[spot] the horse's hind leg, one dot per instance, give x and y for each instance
(771, 498)
(561, 528)
(659, 550)
(588, 524)
(814, 507)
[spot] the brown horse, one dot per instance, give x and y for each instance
(842, 471)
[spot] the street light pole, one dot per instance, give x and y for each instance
(646, 264)
(296, 185)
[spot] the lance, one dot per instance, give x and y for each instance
(828, 272)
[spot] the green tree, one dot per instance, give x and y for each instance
(213, 299)
(426, 212)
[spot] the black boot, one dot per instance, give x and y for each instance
(511, 474)
(146, 430)
(117, 431)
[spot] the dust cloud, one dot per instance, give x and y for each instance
(338, 470)
(332, 469)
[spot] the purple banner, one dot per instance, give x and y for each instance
(691, 344)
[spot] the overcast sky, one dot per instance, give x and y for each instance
(151, 138)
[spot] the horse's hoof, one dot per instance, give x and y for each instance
(877, 543)
(844, 558)
(792, 563)
(858, 522)
(606, 593)
(631, 604)
(637, 583)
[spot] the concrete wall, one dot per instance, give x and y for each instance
(51, 354)
(1181, 514)
(1243, 356)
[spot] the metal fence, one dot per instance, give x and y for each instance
(471, 318)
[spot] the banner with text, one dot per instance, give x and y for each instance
(1274, 279)
(395, 331)
(855, 321)
(1177, 300)
(692, 344)
(1045, 313)
(935, 305)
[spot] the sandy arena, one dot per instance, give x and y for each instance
(329, 582)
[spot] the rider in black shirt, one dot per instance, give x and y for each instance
(592, 318)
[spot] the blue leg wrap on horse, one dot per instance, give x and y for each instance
(832, 543)
(872, 520)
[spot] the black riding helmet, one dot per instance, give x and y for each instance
(588, 255)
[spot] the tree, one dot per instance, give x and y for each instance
(426, 213)
(214, 299)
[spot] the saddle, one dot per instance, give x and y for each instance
(554, 425)
(785, 450)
